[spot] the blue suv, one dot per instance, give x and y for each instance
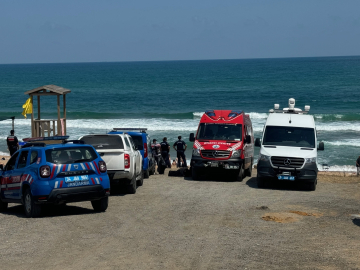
(143, 143)
(40, 174)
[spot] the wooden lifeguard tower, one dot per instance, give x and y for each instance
(49, 127)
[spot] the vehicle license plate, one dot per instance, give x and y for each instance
(70, 179)
(214, 164)
(286, 177)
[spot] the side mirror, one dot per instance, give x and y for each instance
(248, 139)
(136, 148)
(192, 137)
(257, 142)
(321, 146)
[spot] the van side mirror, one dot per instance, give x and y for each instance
(192, 137)
(248, 139)
(321, 146)
(257, 142)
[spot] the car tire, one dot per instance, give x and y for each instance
(147, 173)
(152, 171)
(260, 182)
(100, 205)
(195, 173)
(241, 172)
(3, 206)
(131, 188)
(140, 182)
(32, 209)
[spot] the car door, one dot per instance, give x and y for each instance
(7, 187)
(21, 168)
(136, 156)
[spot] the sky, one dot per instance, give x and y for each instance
(52, 31)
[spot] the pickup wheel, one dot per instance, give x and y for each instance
(140, 182)
(100, 205)
(3, 206)
(131, 188)
(31, 209)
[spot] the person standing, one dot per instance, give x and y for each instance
(12, 143)
(180, 147)
(165, 149)
(358, 166)
(155, 149)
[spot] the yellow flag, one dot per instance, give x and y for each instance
(27, 107)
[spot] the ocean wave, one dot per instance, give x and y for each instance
(337, 117)
(346, 142)
(337, 168)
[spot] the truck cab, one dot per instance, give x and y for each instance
(288, 149)
(224, 142)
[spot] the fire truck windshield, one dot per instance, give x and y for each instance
(230, 132)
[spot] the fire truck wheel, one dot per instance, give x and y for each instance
(248, 171)
(242, 173)
(194, 173)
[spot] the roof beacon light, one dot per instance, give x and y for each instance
(307, 108)
(276, 106)
(291, 104)
(234, 113)
(210, 113)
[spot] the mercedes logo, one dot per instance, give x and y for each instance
(287, 161)
(215, 153)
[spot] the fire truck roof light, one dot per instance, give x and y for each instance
(210, 113)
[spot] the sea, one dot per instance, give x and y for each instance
(169, 97)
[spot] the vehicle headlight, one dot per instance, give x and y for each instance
(196, 152)
(236, 153)
(264, 158)
(310, 160)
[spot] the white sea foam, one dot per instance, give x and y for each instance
(336, 168)
(198, 114)
(345, 142)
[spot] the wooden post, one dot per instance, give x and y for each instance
(32, 118)
(38, 102)
(58, 109)
(64, 116)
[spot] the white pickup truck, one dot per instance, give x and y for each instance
(123, 160)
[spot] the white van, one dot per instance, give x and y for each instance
(288, 147)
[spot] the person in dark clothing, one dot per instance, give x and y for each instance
(358, 166)
(12, 143)
(155, 149)
(165, 149)
(180, 147)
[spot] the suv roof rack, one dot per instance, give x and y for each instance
(74, 141)
(33, 145)
(143, 130)
(53, 138)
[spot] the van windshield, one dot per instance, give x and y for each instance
(219, 132)
(289, 136)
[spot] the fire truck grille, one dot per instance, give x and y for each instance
(287, 162)
(215, 153)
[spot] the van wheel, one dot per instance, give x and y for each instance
(260, 182)
(312, 186)
(131, 188)
(3, 206)
(100, 205)
(140, 182)
(31, 209)
(195, 173)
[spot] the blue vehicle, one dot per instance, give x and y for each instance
(143, 143)
(40, 174)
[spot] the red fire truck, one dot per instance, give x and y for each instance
(224, 142)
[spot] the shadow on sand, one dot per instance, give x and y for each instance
(356, 221)
(278, 185)
(51, 211)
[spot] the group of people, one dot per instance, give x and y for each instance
(163, 149)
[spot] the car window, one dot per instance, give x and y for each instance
(138, 141)
(70, 155)
(22, 159)
(127, 143)
(104, 141)
(11, 163)
(132, 143)
(33, 156)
